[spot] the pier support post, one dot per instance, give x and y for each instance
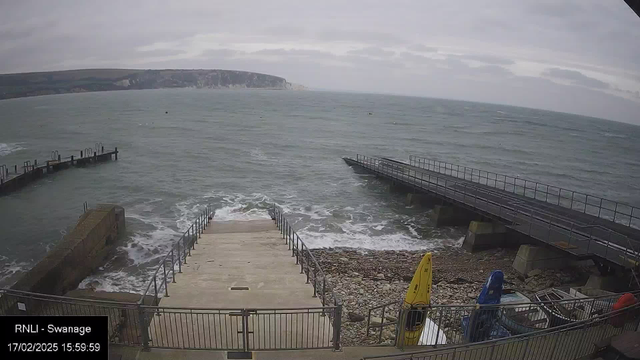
(71, 160)
(532, 257)
(420, 199)
(484, 235)
(116, 153)
(451, 216)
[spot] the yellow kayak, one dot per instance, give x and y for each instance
(418, 299)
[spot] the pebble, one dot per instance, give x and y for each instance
(372, 278)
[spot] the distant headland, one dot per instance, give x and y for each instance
(85, 80)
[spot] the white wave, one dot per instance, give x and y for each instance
(8, 148)
(12, 268)
(607, 134)
(116, 281)
(145, 246)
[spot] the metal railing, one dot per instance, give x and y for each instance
(566, 342)
(304, 257)
(124, 320)
(311, 268)
(575, 238)
(242, 329)
(460, 324)
(165, 272)
(615, 211)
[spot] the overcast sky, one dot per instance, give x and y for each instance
(579, 56)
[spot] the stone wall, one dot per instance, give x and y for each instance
(79, 253)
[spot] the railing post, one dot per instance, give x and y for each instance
(143, 327)
(337, 327)
(155, 290)
(173, 267)
(179, 256)
(324, 290)
(164, 277)
(315, 282)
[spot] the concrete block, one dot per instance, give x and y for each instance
(611, 283)
(484, 235)
(414, 199)
(451, 216)
(531, 257)
(85, 248)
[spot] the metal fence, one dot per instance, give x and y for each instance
(461, 324)
(243, 329)
(166, 270)
(566, 342)
(308, 263)
(124, 318)
(618, 212)
(573, 237)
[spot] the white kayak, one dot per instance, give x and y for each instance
(431, 334)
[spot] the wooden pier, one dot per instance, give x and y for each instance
(17, 177)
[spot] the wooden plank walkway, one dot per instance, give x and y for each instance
(580, 234)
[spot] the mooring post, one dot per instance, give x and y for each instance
(95, 157)
(116, 153)
(35, 164)
(16, 168)
(81, 154)
(71, 160)
(102, 149)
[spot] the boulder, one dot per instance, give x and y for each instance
(355, 317)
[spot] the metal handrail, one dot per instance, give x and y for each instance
(177, 256)
(300, 250)
(629, 315)
(442, 186)
(475, 175)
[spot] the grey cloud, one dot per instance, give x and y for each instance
(421, 48)
(554, 8)
(295, 53)
(493, 70)
(373, 51)
(367, 37)
(576, 78)
(162, 52)
(487, 59)
(219, 53)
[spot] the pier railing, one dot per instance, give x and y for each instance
(165, 272)
(460, 324)
(566, 342)
(615, 211)
(575, 238)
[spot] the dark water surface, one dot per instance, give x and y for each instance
(242, 150)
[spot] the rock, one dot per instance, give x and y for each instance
(407, 278)
(534, 272)
(379, 276)
(355, 317)
(387, 334)
(386, 287)
(471, 295)
(391, 318)
(361, 291)
(344, 259)
(375, 320)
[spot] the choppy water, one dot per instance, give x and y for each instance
(242, 150)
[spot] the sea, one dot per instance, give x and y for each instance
(241, 151)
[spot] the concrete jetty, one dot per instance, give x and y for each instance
(244, 270)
